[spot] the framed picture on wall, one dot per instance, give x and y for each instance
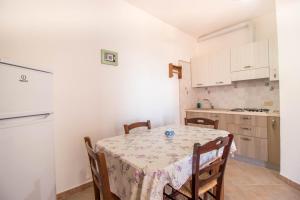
(109, 57)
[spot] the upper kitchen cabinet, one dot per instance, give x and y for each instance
(242, 58)
(250, 61)
(273, 59)
(211, 70)
(221, 68)
(200, 69)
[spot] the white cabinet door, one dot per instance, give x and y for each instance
(200, 69)
(273, 59)
(221, 68)
(196, 72)
(250, 56)
(261, 54)
(211, 70)
(250, 61)
(242, 58)
(208, 74)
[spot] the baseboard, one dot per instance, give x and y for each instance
(250, 161)
(256, 162)
(289, 182)
(67, 193)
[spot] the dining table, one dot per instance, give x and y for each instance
(142, 163)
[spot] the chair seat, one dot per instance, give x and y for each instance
(187, 191)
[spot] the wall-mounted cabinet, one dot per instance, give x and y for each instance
(250, 56)
(200, 69)
(211, 70)
(242, 58)
(254, 60)
(250, 61)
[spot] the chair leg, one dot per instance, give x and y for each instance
(222, 192)
(205, 196)
(96, 192)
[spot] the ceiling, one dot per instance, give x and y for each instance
(199, 17)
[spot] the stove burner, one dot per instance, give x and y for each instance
(238, 110)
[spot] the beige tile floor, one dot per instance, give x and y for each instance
(242, 182)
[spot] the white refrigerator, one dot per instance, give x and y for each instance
(26, 134)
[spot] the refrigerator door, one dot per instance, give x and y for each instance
(24, 91)
(27, 159)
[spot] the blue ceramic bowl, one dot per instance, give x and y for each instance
(169, 133)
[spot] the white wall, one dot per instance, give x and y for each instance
(90, 98)
(288, 20)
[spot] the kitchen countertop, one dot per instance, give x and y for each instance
(224, 111)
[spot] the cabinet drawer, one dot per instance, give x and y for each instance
(247, 130)
(196, 114)
(241, 130)
(245, 120)
(212, 116)
(259, 121)
(215, 116)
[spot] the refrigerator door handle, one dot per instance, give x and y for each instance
(22, 120)
(44, 116)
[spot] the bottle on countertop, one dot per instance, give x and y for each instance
(199, 105)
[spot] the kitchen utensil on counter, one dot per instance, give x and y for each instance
(199, 105)
(206, 104)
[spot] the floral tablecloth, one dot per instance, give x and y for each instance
(140, 164)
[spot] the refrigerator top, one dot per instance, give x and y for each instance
(24, 91)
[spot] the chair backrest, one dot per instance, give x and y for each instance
(215, 170)
(128, 127)
(202, 121)
(99, 172)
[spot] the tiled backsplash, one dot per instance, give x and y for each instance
(254, 93)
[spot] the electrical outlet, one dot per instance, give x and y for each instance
(268, 103)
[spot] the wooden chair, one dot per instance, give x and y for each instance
(127, 127)
(202, 121)
(99, 173)
(209, 178)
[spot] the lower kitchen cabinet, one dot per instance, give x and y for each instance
(256, 137)
(274, 141)
(213, 116)
(251, 147)
(222, 120)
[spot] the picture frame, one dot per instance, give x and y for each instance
(109, 57)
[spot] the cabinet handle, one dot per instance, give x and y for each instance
(247, 129)
(245, 139)
(275, 75)
(220, 82)
(246, 118)
(199, 84)
(247, 67)
(273, 123)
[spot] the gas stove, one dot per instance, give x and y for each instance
(250, 110)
